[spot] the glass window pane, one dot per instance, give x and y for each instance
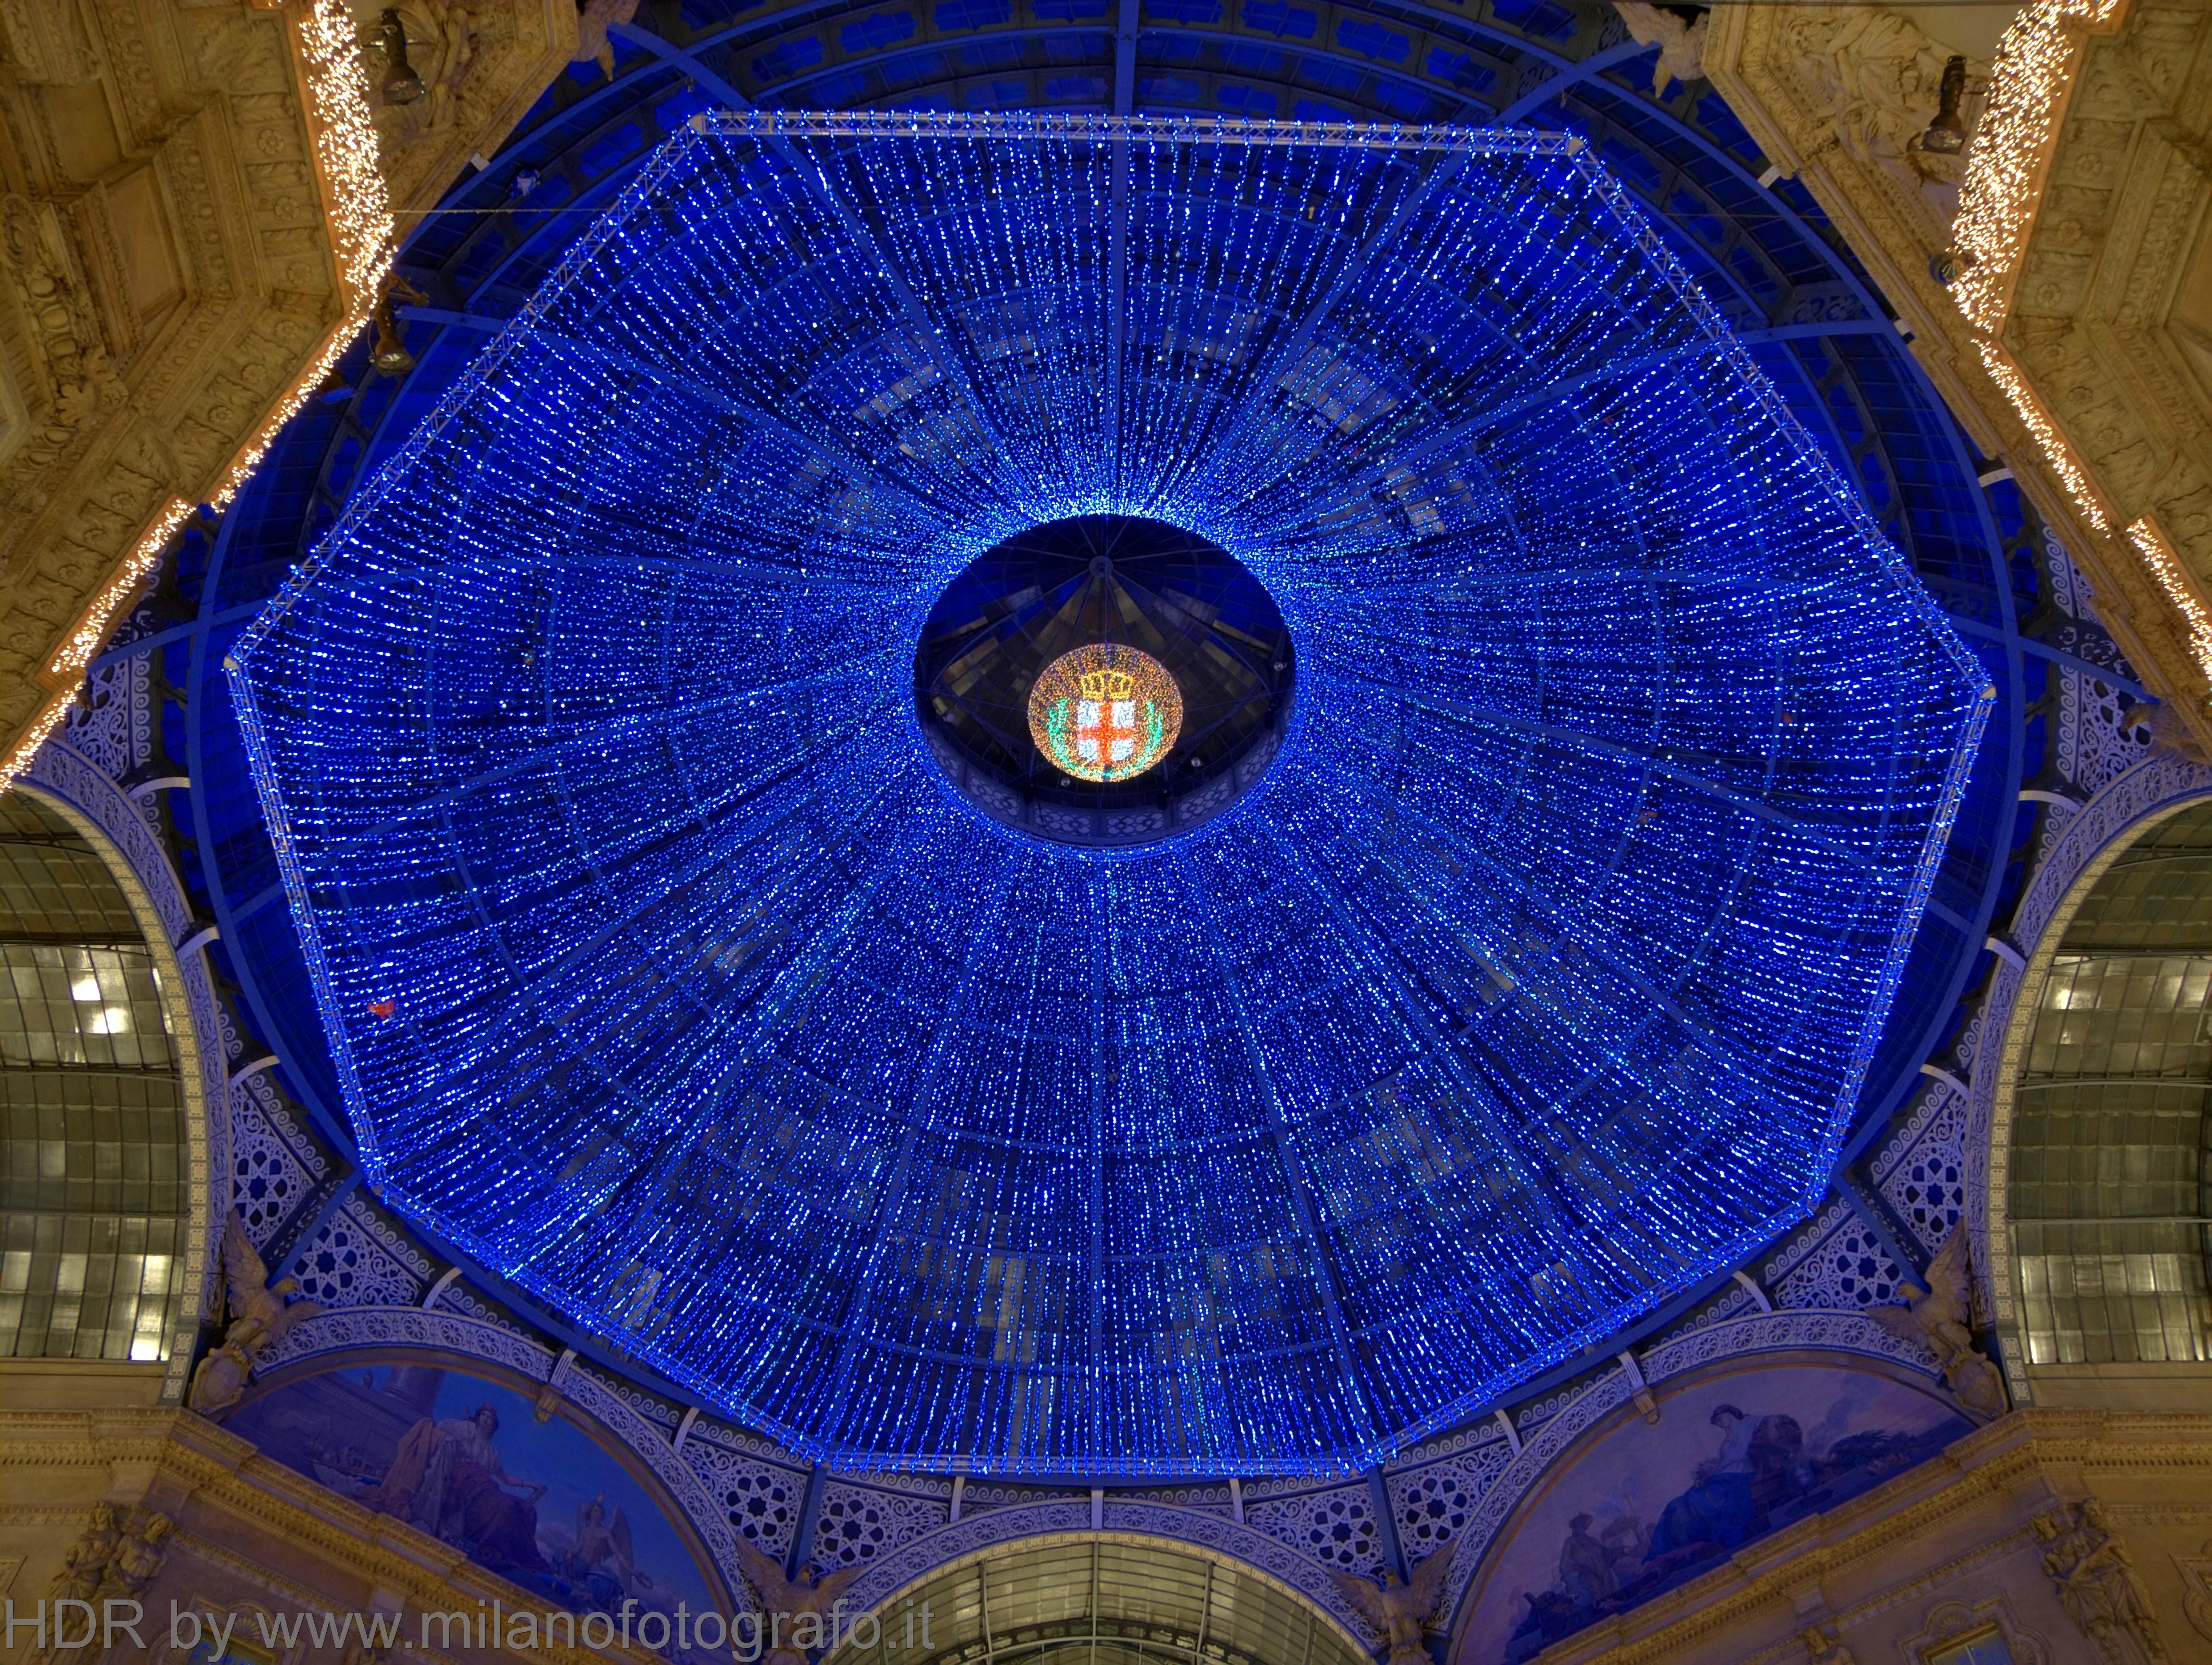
(92, 1126)
(2112, 1193)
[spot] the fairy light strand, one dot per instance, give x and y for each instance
(2181, 589)
(1532, 984)
(1997, 197)
(361, 226)
(2036, 62)
(359, 213)
(2045, 432)
(90, 632)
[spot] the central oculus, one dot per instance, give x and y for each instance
(1106, 681)
(1105, 712)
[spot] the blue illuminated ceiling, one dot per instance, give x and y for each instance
(1534, 987)
(1760, 255)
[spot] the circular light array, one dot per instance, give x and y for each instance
(664, 977)
(1105, 712)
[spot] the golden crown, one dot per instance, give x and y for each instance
(1106, 684)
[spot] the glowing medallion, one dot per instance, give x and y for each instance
(1105, 712)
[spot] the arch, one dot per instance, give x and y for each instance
(384, 1334)
(87, 903)
(2098, 839)
(1118, 1596)
(1625, 1496)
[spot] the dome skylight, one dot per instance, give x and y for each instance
(1215, 706)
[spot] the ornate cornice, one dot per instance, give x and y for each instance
(260, 179)
(2054, 341)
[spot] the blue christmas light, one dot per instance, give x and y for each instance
(665, 971)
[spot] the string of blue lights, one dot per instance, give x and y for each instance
(1532, 983)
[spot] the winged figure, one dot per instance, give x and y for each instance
(603, 1542)
(781, 1596)
(1681, 46)
(1399, 1609)
(593, 18)
(260, 1314)
(1937, 1317)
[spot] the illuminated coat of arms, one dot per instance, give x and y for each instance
(1105, 712)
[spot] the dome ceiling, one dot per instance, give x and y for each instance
(1534, 984)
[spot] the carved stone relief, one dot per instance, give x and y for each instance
(1950, 1622)
(2087, 368)
(168, 270)
(1881, 79)
(2196, 1586)
(2096, 1580)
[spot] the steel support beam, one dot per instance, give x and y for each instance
(1125, 56)
(1595, 64)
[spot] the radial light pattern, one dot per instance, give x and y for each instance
(1105, 712)
(667, 976)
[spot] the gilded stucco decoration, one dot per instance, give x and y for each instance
(2056, 273)
(196, 205)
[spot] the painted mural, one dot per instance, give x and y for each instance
(1647, 1507)
(467, 1461)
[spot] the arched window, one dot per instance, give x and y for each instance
(2109, 1199)
(93, 1170)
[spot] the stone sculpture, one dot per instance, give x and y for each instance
(2098, 1583)
(781, 1596)
(1682, 43)
(259, 1316)
(1401, 1608)
(1936, 1316)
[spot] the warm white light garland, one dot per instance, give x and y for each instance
(2004, 165)
(2055, 450)
(2004, 187)
(359, 215)
(2180, 589)
(92, 630)
(360, 211)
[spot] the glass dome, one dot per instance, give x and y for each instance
(662, 973)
